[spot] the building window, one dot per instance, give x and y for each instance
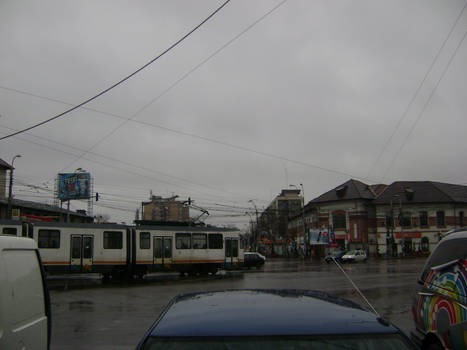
(113, 240)
(423, 218)
(200, 241)
(339, 221)
(144, 240)
(406, 219)
(49, 239)
(216, 241)
(9, 231)
(183, 240)
(461, 218)
(440, 218)
(425, 244)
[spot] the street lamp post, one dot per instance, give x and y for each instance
(10, 189)
(255, 236)
(252, 229)
(401, 221)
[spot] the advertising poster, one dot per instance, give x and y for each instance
(74, 186)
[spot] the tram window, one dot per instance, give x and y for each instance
(113, 240)
(200, 241)
(49, 239)
(145, 240)
(9, 231)
(183, 240)
(215, 241)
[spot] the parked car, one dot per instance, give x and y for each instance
(24, 299)
(336, 255)
(440, 304)
(354, 256)
(253, 259)
(269, 319)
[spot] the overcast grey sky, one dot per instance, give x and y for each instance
(311, 94)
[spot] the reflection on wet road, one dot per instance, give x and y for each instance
(115, 316)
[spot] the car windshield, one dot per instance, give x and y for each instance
(329, 342)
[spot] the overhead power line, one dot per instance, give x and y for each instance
(420, 115)
(417, 91)
(173, 85)
(122, 80)
(230, 145)
(131, 166)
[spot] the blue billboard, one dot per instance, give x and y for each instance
(74, 186)
(319, 237)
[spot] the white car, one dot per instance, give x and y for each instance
(355, 256)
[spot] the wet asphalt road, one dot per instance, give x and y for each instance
(89, 315)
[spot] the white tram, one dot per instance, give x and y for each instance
(122, 250)
(186, 249)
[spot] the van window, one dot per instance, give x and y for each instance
(183, 240)
(446, 251)
(113, 240)
(9, 231)
(49, 239)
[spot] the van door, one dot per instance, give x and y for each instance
(24, 299)
(82, 247)
(162, 250)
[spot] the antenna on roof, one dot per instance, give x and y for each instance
(356, 288)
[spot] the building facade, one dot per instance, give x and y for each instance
(165, 209)
(347, 214)
(273, 222)
(413, 215)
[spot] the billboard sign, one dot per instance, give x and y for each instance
(319, 237)
(74, 186)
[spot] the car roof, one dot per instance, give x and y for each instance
(264, 313)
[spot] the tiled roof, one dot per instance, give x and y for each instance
(352, 189)
(423, 192)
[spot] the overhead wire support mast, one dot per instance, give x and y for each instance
(122, 80)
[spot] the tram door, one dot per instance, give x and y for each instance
(162, 250)
(81, 253)
(231, 251)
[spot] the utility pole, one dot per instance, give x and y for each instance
(255, 235)
(401, 213)
(305, 233)
(10, 189)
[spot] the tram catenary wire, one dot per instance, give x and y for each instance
(122, 80)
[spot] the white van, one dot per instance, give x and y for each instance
(24, 299)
